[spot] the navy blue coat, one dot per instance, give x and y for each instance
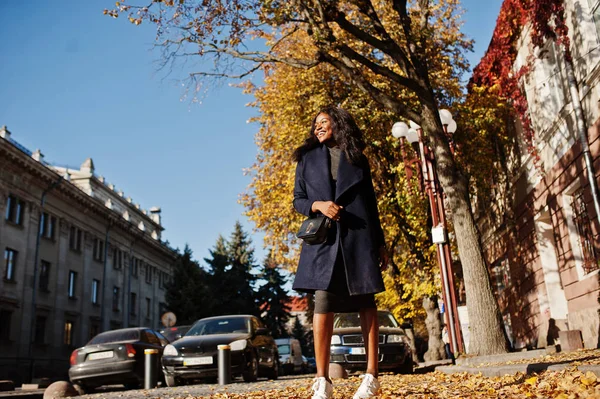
(359, 229)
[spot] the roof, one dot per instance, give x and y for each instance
(298, 304)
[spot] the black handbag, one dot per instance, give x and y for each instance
(314, 229)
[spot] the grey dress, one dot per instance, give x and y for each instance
(336, 298)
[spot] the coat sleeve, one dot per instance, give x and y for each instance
(302, 203)
(371, 200)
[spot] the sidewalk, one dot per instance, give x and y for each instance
(527, 362)
(502, 376)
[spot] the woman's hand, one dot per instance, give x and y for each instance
(328, 208)
(384, 258)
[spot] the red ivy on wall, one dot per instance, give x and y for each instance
(547, 19)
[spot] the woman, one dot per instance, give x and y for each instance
(333, 178)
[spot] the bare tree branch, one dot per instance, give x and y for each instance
(350, 71)
(388, 46)
(381, 70)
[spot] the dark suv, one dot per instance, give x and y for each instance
(348, 348)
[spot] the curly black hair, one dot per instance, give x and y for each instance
(346, 133)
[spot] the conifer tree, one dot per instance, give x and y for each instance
(187, 290)
(274, 299)
(231, 280)
(240, 277)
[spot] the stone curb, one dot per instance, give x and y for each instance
(18, 394)
(511, 369)
(501, 358)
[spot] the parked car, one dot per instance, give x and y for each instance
(312, 364)
(290, 355)
(115, 357)
(175, 332)
(253, 350)
(348, 348)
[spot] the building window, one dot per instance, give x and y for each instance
(14, 210)
(75, 239)
(117, 259)
(162, 279)
(72, 283)
(5, 318)
(10, 263)
(595, 12)
(98, 249)
(40, 330)
(148, 307)
(134, 266)
(583, 224)
(115, 301)
(47, 226)
(148, 274)
(68, 338)
(95, 291)
(94, 330)
(132, 303)
(44, 276)
(501, 275)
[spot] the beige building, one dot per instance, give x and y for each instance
(545, 258)
(98, 262)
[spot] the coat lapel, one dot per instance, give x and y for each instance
(319, 168)
(348, 176)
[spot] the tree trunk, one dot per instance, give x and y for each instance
(410, 334)
(435, 345)
(486, 328)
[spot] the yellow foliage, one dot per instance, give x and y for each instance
(287, 103)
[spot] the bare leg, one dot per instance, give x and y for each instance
(322, 331)
(370, 332)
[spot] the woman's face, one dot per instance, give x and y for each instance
(323, 128)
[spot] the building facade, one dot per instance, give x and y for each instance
(545, 257)
(79, 258)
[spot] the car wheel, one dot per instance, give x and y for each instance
(251, 371)
(170, 381)
(83, 389)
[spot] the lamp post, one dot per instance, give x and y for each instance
(431, 186)
(51, 187)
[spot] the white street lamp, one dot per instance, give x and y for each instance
(412, 135)
(451, 127)
(445, 116)
(400, 129)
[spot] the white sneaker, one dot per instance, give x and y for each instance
(322, 389)
(368, 388)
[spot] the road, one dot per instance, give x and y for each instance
(202, 389)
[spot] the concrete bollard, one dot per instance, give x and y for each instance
(150, 367)
(224, 364)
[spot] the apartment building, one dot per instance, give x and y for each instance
(79, 258)
(545, 256)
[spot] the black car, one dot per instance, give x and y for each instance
(348, 348)
(194, 356)
(175, 332)
(115, 357)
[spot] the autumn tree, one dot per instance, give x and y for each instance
(274, 299)
(368, 42)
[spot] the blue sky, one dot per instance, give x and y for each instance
(78, 84)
